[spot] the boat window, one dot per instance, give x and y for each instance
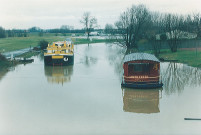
(143, 68)
(49, 51)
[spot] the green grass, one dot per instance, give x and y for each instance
(29, 54)
(16, 43)
(188, 57)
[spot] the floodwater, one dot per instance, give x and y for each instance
(87, 98)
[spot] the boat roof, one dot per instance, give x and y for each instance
(68, 41)
(140, 56)
(59, 42)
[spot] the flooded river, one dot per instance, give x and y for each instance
(87, 98)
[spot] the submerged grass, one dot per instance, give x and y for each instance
(189, 57)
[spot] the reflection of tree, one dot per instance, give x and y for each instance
(141, 101)
(115, 56)
(41, 56)
(58, 74)
(176, 77)
(89, 59)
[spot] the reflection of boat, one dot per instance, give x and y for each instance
(141, 101)
(58, 74)
(60, 53)
(141, 70)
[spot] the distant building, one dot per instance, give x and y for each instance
(178, 34)
(95, 33)
(158, 36)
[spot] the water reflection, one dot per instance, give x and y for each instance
(58, 74)
(88, 55)
(92, 100)
(89, 61)
(177, 76)
(141, 101)
(41, 56)
(115, 55)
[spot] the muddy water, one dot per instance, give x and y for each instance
(87, 98)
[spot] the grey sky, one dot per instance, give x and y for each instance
(54, 13)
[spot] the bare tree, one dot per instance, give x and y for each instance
(109, 29)
(155, 33)
(197, 23)
(89, 22)
(173, 25)
(130, 25)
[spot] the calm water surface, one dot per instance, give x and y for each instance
(87, 98)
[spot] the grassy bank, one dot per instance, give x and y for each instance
(16, 43)
(4, 63)
(28, 54)
(189, 57)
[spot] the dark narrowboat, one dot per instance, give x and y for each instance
(142, 71)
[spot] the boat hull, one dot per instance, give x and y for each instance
(142, 85)
(62, 60)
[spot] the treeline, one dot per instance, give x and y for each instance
(138, 22)
(13, 33)
(66, 31)
(25, 33)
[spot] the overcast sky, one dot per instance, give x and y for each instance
(23, 14)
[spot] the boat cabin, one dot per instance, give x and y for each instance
(141, 70)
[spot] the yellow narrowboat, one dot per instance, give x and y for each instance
(60, 53)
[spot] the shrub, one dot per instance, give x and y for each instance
(163, 37)
(43, 44)
(2, 58)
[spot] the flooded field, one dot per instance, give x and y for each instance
(87, 98)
